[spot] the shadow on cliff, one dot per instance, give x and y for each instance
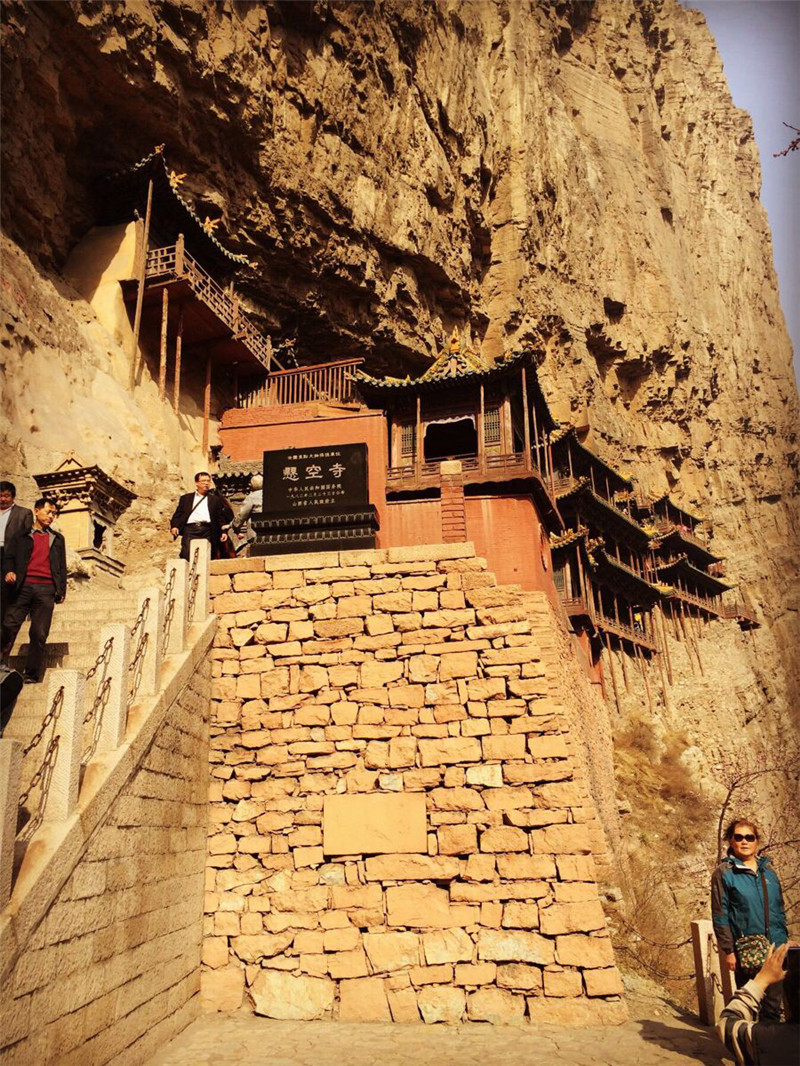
(693, 1040)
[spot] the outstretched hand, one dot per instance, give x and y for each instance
(772, 971)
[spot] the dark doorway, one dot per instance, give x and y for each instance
(444, 440)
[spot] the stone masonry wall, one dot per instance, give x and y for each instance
(112, 971)
(396, 828)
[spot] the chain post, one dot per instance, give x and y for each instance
(115, 715)
(149, 636)
(10, 774)
(62, 795)
(175, 604)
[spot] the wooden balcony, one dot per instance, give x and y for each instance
(624, 631)
(474, 469)
(664, 527)
(173, 264)
(742, 614)
(703, 603)
(333, 383)
(576, 606)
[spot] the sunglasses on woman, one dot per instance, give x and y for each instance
(749, 837)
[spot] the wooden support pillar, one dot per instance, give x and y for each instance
(624, 668)
(206, 406)
(666, 647)
(642, 667)
(539, 462)
(418, 438)
(481, 429)
(179, 250)
(176, 384)
(162, 358)
(526, 418)
(137, 317)
(613, 675)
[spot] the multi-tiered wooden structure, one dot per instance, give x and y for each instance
(183, 287)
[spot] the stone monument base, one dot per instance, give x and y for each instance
(338, 530)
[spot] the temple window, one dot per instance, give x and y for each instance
(447, 439)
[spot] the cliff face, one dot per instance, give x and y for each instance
(570, 176)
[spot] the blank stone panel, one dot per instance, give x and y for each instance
(377, 824)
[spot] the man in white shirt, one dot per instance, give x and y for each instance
(202, 515)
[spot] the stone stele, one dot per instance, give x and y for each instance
(374, 824)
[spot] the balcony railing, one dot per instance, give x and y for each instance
(626, 632)
(324, 383)
(703, 602)
(665, 527)
(740, 612)
(174, 261)
(411, 476)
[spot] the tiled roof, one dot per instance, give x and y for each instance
(569, 432)
(453, 363)
(128, 180)
(683, 566)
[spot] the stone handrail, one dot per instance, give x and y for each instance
(107, 709)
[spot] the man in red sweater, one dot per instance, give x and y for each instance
(35, 565)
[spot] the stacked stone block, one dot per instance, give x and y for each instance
(396, 831)
(113, 970)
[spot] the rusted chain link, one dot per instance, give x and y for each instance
(169, 605)
(100, 699)
(101, 658)
(194, 582)
(140, 618)
(653, 943)
(136, 667)
(653, 969)
(49, 718)
(49, 755)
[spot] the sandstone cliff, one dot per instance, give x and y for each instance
(569, 176)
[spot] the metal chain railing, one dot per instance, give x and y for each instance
(41, 777)
(193, 582)
(49, 718)
(101, 658)
(169, 606)
(100, 700)
(135, 665)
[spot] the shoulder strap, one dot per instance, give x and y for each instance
(195, 507)
(765, 890)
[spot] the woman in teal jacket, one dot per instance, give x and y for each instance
(738, 905)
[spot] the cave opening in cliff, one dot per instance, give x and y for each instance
(447, 439)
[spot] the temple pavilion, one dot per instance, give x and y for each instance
(604, 567)
(179, 307)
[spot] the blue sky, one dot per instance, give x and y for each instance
(759, 41)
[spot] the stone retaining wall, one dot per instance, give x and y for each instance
(112, 970)
(396, 831)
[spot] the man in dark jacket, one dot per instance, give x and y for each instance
(35, 566)
(201, 515)
(13, 520)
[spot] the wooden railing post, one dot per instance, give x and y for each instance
(61, 794)
(10, 771)
(115, 712)
(179, 255)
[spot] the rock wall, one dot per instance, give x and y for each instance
(399, 830)
(112, 971)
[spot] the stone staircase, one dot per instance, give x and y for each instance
(73, 644)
